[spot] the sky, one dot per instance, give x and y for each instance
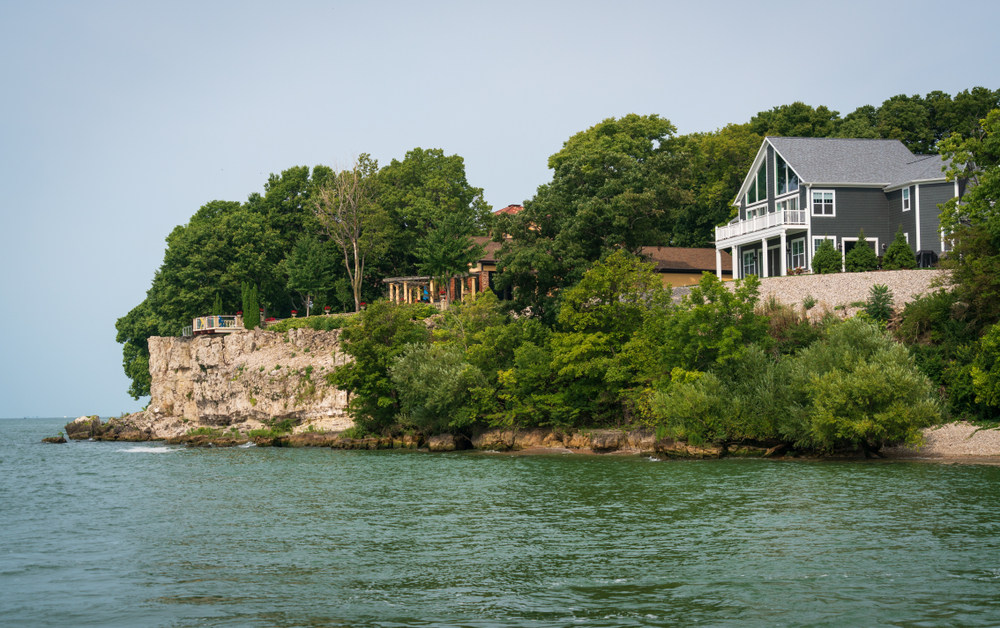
(118, 120)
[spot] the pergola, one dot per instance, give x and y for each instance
(412, 289)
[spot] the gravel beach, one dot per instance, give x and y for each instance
(954, 440)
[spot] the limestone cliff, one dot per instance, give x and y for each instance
(244, 380)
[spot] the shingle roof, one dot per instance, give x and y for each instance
(510, 209)
(674, 259)
(489, 247)
(877, 162)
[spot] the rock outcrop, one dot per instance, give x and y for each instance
(243, 381)
(83, 428)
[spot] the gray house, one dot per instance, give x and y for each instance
(803, 190)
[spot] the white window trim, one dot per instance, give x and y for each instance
(817, 238)
(756, 171)
(906, 199)
(798, 187)
(791, 250)
(812, 211)
(906, 236)
(753, 254)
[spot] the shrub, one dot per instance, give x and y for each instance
(861, 258)
(858, 388)
(435, 386)
(827, 259)
(899, 256)
(879, 304)
(319, 323)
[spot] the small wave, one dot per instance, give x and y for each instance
(146, 450)
(652, 459)
(248, 445)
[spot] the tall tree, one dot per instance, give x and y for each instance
(617, 185)
(311, 269)
(448, 251)
(418, 193)
(796, 120)
(348, 211)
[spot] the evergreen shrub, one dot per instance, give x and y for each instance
(827, 259)
(861, 258)
(899, 256)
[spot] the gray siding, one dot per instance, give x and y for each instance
(856, 209)
(896, 217)
(770, 179)
(932, 195)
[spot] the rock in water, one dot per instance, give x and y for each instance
(83, 428)
(442, 442)
(54, 439)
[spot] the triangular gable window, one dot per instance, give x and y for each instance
(758, 187)
(787, 180)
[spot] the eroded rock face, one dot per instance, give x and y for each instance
(83, 428)
(244, 380)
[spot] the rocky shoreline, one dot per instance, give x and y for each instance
(952, 441)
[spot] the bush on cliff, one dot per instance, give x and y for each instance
(436, 387)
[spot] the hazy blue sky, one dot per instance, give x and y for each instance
(118, 120)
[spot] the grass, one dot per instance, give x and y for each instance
(204, 431)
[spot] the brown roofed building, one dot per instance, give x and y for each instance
(510, 209)
(683, 267)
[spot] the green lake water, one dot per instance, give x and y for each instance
(122, 534)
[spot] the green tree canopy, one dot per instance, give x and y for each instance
(617, 185)
(796, 120)
(419, 193)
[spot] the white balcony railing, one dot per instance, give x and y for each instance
(759, 223)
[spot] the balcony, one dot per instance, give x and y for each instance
(759, 223)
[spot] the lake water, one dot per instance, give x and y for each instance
(121, 534)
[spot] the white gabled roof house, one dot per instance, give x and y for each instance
(803, 190)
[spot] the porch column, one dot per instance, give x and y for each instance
(392, 292)
(784, 256)
(718, 264)
(406, 292)
(430, 291)
(762, 271)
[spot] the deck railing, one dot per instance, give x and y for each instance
(759, 223)
(216, 324)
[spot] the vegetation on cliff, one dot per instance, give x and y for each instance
(622, 184)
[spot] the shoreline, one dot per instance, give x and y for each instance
(950, 443)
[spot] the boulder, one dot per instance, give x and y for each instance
(54, 439)
(678, 449)
(442, 442)
(83, 428)
(604, 441)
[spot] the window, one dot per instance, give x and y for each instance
(749, 263)
(758, 186)
(907, 236)
(906, 199)
(822, 203)
(818, 241)
(791, 204)
(785, 178)
(799, 253)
